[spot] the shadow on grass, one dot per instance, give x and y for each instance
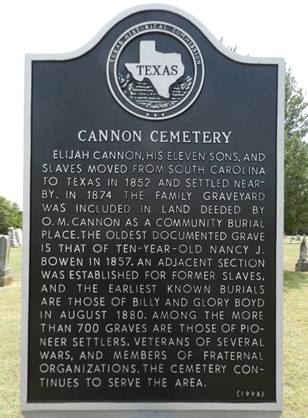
(292, 280)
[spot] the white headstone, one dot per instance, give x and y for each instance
(12, 237)
(18, 236)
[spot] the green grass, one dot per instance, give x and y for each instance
(295, 338)
(10, 298)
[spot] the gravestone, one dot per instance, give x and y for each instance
(12, 236)
(153, 226)
(5, 274)
(18, 236)
(302, 262)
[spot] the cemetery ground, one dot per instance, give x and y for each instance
(295, 338)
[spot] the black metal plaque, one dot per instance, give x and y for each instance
(153, 184)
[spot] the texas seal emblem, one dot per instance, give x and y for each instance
(155, 70)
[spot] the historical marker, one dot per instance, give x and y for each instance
(152, 271)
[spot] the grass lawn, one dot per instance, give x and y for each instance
(295, 338)
(10, 298)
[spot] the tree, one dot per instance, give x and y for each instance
(10, 215)
(296, 157)
(296, 117)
